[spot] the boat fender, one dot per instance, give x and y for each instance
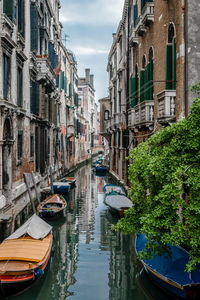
(38, 273)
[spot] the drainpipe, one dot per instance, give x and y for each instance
(127, 86)
(186, 56)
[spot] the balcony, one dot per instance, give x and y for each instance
(148, 13)
(145, 19)
(143, 114)
(70, 130)
(133, 37)
(166, 106)
(45, 71)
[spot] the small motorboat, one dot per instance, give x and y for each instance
(61, 187)
(168, 270)
(52, 207)
(101, 168)
(118, 204)
(24, 255)
(70, 180)
(111, 189)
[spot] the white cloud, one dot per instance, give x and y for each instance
(79, 50)
(92, 12)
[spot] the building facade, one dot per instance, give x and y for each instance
(39, 101)
(152, 64)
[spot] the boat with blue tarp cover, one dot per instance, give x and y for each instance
(168, 270)
(61, 187)
(101, 168)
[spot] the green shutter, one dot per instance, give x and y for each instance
(151, 83)
(34, 27)
(8, 8)
(142, 90)
(65, 85)
(62, 80)
(174, 64)
(133, 92)
(168, 67)
(70, 90)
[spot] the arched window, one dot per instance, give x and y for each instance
(106, 115)
(143, 61)
(171, 59)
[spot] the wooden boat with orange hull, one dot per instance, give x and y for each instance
(24, 256)
(52, 207)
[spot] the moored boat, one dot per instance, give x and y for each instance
(24, 255)
(61, 187)
(112, 189)
(118, 204)
(168, 270)
(70, 180)
(52, 207)
(101, 168)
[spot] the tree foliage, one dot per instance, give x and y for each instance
(164, 173)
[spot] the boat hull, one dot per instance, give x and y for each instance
(50, 214)
(15, 284)
(168, 271)
(61, 189)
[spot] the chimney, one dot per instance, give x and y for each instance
(87, 75)
(92, 81)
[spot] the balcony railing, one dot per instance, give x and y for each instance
(146, 17)
(133, 36)
(70, 130)
(166, 105)
(143, 113)
(45, 71)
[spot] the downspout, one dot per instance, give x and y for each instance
(186, 56)
(127, 88)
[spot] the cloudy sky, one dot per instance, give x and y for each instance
(89, 25)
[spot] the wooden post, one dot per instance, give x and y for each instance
(28, 179)
(51, 180)
(35, 185)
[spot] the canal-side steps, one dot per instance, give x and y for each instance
(116, 200)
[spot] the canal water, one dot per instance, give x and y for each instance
(89, 260)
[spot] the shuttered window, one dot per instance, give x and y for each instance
(6, 76)
(134, 91)
(21, 17)
(65, 84)
(142, 85)
(20, 145)
(8, 8)
(34, 93)
(19, 87)
(174, 64)
(62, 80)
(70, 90)
(169, 67)
(135, 14)
(34, 28)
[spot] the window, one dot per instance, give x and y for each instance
(20, 17)
(8, 6)
(106, 115)
(171, 59)
(31, 145)
(6, 76)
(20, 145)
(34, 94)
(19, 87)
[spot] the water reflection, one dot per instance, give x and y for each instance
(89, 260)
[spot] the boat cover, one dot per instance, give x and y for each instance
(35, 227)
(171, 266)
(109, 188)
(60, 183)
(117, 201)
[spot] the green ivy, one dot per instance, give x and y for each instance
(164, 173)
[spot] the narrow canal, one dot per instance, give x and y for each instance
(89, 260)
